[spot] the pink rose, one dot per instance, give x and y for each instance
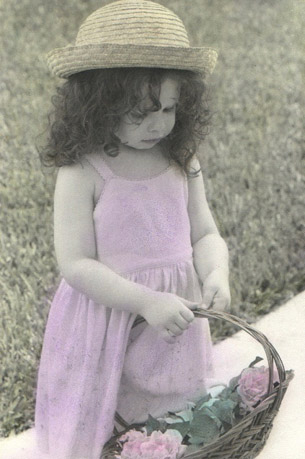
(253, 384)
(137, 445)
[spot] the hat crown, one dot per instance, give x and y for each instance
(134, 22)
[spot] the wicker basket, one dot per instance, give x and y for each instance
(247, 438)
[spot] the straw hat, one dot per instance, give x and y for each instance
(131, 33)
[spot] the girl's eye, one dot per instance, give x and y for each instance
(137, 116)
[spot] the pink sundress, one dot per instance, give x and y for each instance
(92, 362)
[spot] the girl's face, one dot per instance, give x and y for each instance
(142, 132)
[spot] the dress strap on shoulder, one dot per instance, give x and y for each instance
(96, 160)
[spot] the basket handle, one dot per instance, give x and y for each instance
(271, 353)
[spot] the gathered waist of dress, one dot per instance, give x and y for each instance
(146, 265)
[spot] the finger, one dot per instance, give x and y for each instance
(182, 323)
(203, 306)
(187, 315)
(193, 306)
(167, 337)
(208, 296)
(189, 304)
(175, 330)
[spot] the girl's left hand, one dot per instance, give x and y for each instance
(216, 291)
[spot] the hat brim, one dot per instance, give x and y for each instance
(64, 62)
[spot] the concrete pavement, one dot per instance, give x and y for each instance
(285, 329)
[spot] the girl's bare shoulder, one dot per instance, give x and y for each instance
(79, 178)
(81, 170)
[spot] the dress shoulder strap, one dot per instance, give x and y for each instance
(96, 160)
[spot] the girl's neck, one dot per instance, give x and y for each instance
(135, 164)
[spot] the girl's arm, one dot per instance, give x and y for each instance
(210, 252)
(75, 246)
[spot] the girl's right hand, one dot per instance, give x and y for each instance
(169, 314)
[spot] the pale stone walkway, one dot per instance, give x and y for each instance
(285, 329)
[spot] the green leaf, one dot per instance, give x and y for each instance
(209, 412)
(234, 382)
(214, 391)
(226, 393)
(203, 426)
(152, 424)
(202, 400)
(173, 420)
(186, 415)
(255, 361)
(196, 440)
(235, 397)
(223, 410)
(205, 404)
(190, 405)
(163, 425)
(182, 427)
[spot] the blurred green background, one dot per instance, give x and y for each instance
(252, 164)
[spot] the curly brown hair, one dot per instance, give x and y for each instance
(88, 108)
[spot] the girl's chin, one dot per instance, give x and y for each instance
(144, 145)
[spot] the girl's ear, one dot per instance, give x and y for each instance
(112, 149)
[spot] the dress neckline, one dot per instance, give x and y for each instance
(115, 175)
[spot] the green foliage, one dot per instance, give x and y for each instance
(251, 163)
(204, 428)
(202, 422)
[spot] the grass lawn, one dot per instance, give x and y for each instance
(252, 165)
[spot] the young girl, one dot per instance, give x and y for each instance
(133, 231)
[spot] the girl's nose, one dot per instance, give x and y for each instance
(156, 123)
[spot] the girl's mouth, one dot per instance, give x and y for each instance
(152, 140)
